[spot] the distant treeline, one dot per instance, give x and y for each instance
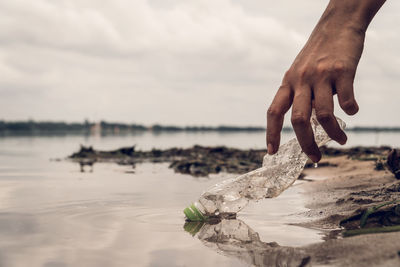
(373, 129)
(32, 128)
(161, 128)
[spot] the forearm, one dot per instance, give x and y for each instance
(355, 14)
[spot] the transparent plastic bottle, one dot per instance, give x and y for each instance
(278, 172)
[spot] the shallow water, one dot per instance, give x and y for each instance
(53, 215)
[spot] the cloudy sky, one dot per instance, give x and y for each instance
(184, 62)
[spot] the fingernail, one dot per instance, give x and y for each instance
(270, 149)
(314, 158)
(343, 140)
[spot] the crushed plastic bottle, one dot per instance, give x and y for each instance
(278, 172)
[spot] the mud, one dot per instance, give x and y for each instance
(196, 161)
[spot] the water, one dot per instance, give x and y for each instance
(53, 215)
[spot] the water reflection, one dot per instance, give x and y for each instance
(234, 238)
(86, 162)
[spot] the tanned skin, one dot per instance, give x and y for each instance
(325, 66)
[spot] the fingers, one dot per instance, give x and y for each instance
(323, 101)
(301, 112)
(345, 92)
(275, 115)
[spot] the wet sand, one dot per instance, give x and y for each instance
(346, 188)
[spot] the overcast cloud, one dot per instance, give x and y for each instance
(185, 62)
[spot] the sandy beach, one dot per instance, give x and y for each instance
(342, 189)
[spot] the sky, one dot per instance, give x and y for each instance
(180, 62)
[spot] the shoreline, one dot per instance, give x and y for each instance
(200, 161)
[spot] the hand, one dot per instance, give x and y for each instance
(325, 66)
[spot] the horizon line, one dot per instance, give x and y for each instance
(52, 126)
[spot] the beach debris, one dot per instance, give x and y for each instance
(278, 172)
(374, 219)
(393, 162)
(363, 153)
(374, 230)
(373, 210)
(379, 165)
(201, 161)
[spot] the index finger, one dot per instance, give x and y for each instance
(275, 115)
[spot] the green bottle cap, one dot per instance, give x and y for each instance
(193, 214)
